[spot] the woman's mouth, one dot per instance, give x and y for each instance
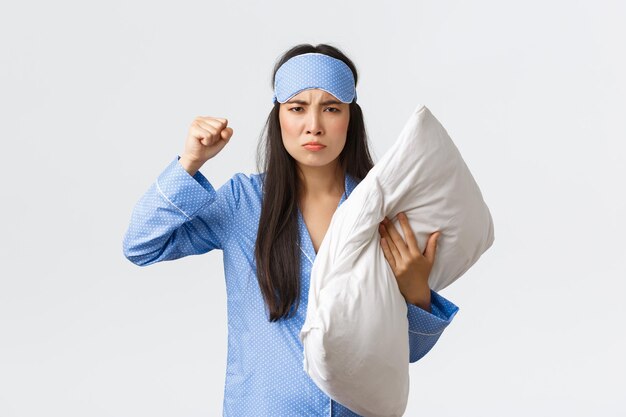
(314, 146)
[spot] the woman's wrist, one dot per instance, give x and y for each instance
(189, 166)
(421, 300)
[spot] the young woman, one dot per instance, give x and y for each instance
(270, 226)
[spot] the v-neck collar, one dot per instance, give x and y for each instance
(306, 243)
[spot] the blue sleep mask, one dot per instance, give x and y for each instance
(314, 70)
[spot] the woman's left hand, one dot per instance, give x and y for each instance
(407, 262)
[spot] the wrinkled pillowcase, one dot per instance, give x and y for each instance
(355, 335)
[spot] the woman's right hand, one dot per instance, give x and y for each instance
(206, 138)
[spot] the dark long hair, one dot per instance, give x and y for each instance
(276, 251)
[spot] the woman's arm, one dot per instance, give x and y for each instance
(425, 327)
(428, 312)
(179, 215)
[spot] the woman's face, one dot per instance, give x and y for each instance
(314, 116)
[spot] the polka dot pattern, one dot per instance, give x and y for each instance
(314, 70)
(182, 215)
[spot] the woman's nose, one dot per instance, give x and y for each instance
(313, 123)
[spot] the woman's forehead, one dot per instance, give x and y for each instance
(314, 93)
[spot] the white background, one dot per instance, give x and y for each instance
(96, 99)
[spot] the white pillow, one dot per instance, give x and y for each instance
(355, 335)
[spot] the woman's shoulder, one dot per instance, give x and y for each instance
(244, 186)
(251, 180)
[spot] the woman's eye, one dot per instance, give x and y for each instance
(334, 110)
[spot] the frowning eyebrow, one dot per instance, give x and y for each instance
(323, 103)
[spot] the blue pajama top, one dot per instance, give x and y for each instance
(182, 215)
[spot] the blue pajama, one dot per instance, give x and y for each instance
(181, 215)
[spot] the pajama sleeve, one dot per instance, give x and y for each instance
(425, 328)
(180, 215)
